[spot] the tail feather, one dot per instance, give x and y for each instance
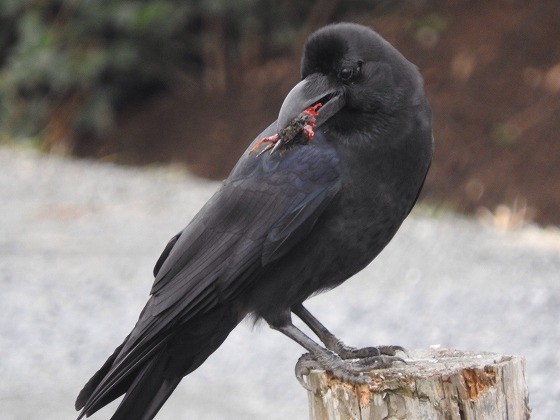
(119, 378)
(148, 392)
(96, 379)
(148, 381)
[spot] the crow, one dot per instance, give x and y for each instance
(286, 224)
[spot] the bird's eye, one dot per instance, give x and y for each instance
(346, 73)
(349, 73)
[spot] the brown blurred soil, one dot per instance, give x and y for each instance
(492, 73)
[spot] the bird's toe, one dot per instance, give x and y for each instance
(347, 352)
(381, 361)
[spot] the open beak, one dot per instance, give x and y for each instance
(313, 89)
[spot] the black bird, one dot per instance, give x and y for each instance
(285, 224)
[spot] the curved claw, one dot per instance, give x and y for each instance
(303, 367)
(332, 363)
(346, 370)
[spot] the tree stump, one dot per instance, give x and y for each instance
(433, 384)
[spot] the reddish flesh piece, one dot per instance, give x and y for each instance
(312, 110)
(272, 139)
(308, 113)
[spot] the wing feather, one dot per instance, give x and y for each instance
(264, 208)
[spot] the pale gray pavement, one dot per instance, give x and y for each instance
(78, 241)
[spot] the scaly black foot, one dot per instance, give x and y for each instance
(344, 362)
(334, 344)
(347, 352)
(346, 370)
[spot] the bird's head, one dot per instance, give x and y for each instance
(358, 77)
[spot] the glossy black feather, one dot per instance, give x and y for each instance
(283, 226)
(254, 218)
(165, 253)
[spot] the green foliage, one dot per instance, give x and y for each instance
(97, 52)
(75, 63)
(505, 135)
(428, 29)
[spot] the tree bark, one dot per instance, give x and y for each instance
(434, 384)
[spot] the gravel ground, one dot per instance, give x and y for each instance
(78, 240)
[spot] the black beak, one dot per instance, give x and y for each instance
(311, 90)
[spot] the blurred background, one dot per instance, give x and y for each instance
(193, 82)
(118, 116)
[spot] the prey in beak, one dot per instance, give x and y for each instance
(307, 106)
(299, 131)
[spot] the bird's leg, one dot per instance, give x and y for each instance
(334, 344)
(321, 358)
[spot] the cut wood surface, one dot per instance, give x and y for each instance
(433, 384)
